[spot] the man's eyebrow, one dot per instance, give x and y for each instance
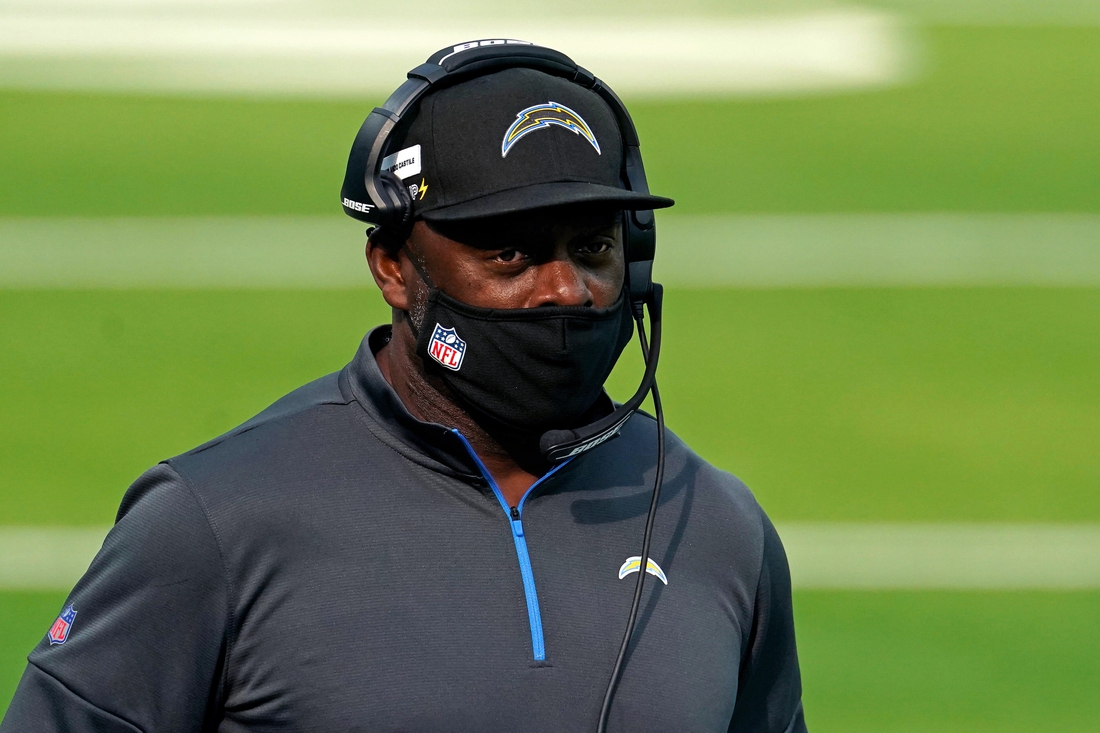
(600, 226)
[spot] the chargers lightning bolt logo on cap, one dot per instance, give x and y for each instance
(542, 116)
(633, 564)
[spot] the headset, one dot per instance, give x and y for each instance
(378, 197)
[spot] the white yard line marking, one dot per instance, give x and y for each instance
(880, 250)
(200, 252)
(338, 55)
(838, 556)
(928, 556)
(694, 251)
(46, 558)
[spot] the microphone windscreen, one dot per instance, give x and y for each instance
(552, 438)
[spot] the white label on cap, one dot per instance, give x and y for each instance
(403, 163)
(470, 45)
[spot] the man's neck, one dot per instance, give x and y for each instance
(403, 369)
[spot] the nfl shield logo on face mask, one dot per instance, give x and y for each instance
(59, 632)
(447, 348)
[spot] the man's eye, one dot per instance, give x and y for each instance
(597, 247)
(509, 255)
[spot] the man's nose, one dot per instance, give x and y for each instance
(560, 282)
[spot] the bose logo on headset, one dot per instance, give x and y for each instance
(477, 44)
(600, 439)
(356, 206)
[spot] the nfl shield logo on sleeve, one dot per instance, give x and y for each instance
(447, 348)
(59, 632)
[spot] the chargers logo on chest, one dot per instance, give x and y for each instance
(447, 348)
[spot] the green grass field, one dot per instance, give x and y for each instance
(977, 404)
(894, 662)
(915, 404)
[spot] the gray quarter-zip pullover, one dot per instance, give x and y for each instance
(336, 565)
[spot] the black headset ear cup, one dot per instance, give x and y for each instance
(638, 250)
(399, 202)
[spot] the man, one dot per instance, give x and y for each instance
(387, 549)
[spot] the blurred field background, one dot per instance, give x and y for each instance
(883, 308)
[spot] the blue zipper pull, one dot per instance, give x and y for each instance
(517, 525)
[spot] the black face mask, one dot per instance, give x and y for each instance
(530, 369)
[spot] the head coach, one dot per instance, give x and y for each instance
(448, 534)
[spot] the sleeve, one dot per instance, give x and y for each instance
(769, 690)
(145, 642)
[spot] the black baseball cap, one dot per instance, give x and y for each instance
(512, 141)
